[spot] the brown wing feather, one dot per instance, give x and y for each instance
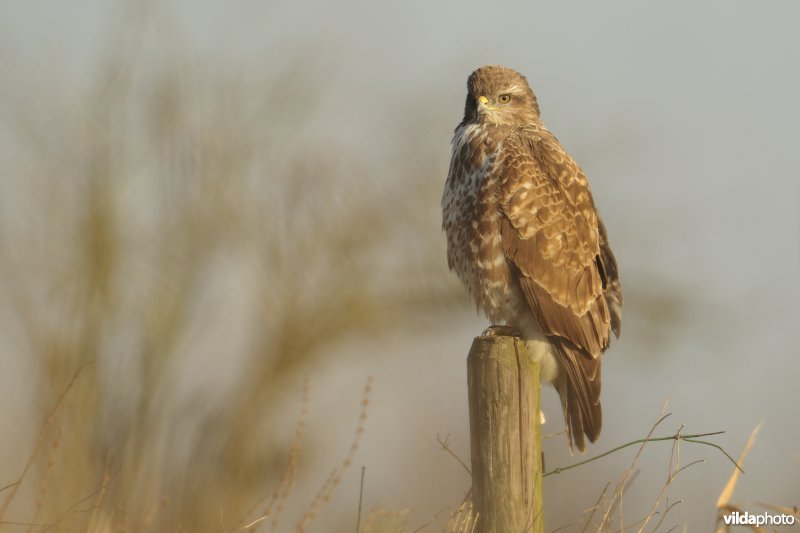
(552, 235)
(613, 288)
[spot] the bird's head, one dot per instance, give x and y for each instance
(500, 95)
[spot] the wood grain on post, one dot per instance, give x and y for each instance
(504, 395)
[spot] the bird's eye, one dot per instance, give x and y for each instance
(504, 98)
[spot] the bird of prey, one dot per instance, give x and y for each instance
(524, 236)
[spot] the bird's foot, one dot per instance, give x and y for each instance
(501, 331)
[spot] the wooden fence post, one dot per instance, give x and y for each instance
(504, 394)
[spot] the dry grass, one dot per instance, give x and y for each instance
(726, 506)
(172, 226)
(607, 513)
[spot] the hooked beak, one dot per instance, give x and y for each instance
(483, 106)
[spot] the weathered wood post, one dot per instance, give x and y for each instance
(504, 394)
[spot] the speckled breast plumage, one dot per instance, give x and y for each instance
(471, 215)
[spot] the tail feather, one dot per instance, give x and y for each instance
(578, 387)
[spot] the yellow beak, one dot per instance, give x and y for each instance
(483, 100)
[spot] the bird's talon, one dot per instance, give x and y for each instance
(501, 331)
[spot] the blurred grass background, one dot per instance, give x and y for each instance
(209, 205)
(166, 226)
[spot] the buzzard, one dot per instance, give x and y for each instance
(524, 236)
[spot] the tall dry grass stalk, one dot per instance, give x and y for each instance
(169, 209)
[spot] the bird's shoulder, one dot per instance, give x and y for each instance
(533, 157)
(550, 220)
